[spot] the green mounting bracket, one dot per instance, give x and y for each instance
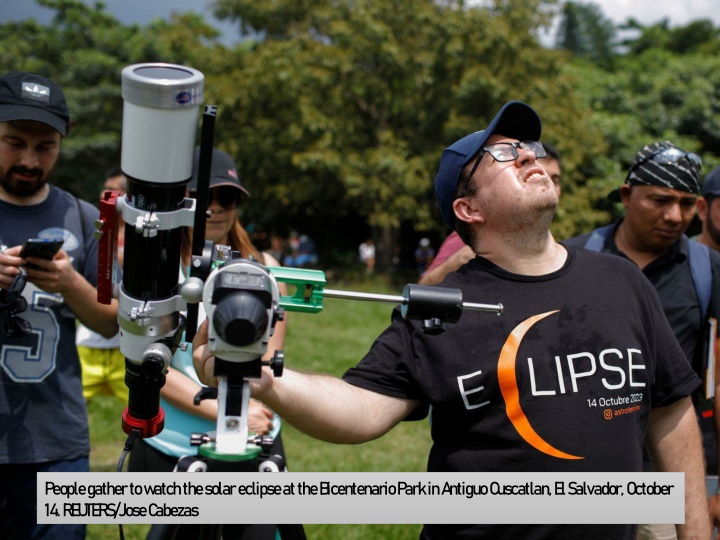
(309, 288)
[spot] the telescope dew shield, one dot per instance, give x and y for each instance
(160, 115)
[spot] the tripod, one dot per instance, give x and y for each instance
(231, 450)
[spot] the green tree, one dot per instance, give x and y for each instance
(338, 113)
(342, 111)
(653, 96)
(587, 33)
(84, 50)
(698, 36)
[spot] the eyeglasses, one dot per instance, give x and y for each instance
(226, 196)
(506, 151)
(673, 155)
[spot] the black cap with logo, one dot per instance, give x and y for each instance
(222, 173)
(29, 96)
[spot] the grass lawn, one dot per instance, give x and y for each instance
(329, 342)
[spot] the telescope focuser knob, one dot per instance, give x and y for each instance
(156, 358)
(277, 363)
(266, 441)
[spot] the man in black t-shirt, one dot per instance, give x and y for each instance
(659, 196)
(580, 369)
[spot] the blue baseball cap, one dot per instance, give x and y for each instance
(711, 185)
(515, 120)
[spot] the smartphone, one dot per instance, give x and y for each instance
(43, 249)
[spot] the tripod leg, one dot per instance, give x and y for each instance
(291, 532)
(210, 532)
(162, 532)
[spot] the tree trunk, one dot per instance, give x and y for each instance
(387, 247)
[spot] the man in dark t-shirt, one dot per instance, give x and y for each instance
(43, 420)
(659, 195)
(579, 370)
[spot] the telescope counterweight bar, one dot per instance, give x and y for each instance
(394, 299)
(367, 297)
(485, 308)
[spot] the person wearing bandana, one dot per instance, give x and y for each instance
(659, 195)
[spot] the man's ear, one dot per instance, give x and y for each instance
(702, 208)
(467, 210)
(625, 191)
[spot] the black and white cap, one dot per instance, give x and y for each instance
(29, 96)
(663, 164)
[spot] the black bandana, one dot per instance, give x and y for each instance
(650, 169)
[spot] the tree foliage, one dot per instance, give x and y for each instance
(84, 50)
(364, 95)
(698, 36)
(338, 111)
(663, 85)
(586, 33)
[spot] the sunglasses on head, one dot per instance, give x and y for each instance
(673, 155)
(226, 196)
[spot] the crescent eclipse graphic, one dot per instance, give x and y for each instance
(508, 386)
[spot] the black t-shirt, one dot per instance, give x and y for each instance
(671, 277)
(562, 381)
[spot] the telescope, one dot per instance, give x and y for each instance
(241, 297)
(242, 301)
(160, 112)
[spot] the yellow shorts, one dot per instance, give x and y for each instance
(103, 372)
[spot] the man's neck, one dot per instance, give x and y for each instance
(538, 256)
(626, 242)
(29, 200)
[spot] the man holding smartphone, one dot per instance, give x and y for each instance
(44, 420)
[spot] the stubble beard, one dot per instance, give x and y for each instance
(22, 188)
(536, 214)
(527, 225)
